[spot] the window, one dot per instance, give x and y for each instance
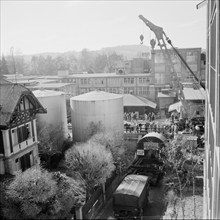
(23, 133)
(129, 80)
(191, 57)
(128, 90)
(99, 81)
(85, 81)
(144, 80)
(144, 91)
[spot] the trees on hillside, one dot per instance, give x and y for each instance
(87, 61)
(3, 66)
(38, 194)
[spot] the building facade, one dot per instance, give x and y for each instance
(136, 84)
(192, 56)
(18, 135)
(136, 65)
(212, 132)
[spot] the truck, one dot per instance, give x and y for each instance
(149, 157)
(131, 196)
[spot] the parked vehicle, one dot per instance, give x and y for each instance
(149, 158)
(131, 196)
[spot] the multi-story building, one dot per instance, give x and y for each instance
(18, 135)
(161, 70)
(136, 84)
(136, 65)
(212, 131)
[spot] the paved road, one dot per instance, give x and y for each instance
(154, 209)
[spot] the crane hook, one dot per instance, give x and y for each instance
(141, 38)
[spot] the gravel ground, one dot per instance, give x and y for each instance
(189, 208)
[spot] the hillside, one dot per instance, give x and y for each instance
(128, 52)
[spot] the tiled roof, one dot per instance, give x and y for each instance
(194, 94)
(9, 96)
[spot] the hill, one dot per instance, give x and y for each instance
(127, 51)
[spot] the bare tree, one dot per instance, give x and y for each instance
(115, 143)
(90, 160)
(181, 160)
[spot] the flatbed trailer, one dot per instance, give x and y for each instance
(152, 168)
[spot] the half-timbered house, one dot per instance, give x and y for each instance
(18, 136)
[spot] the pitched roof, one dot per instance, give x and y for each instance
(194, 94)
(10, 94)
(164, 95)
(132, 100)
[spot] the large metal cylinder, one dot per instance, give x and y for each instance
(55, 103)
(93, 109)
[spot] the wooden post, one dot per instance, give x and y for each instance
(78, 212)
(103, 190)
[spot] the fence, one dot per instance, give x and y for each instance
(96, 201)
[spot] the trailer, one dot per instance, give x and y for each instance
(149, 157)
(131, 196)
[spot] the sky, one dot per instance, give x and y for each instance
(37, 26)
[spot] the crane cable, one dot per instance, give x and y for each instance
(186, 65)
(181, 58)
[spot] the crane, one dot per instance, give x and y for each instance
(160, 34)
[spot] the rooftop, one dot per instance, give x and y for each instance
(46, 93)
(96, 96)
(132, 100)
(51, 85)
(10, 96)
(194, 94)
(163, 95)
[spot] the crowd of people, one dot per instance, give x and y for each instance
(149, 123)
(131, 116)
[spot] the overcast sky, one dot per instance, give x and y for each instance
(59, 26)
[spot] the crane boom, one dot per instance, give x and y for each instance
(158, 31)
